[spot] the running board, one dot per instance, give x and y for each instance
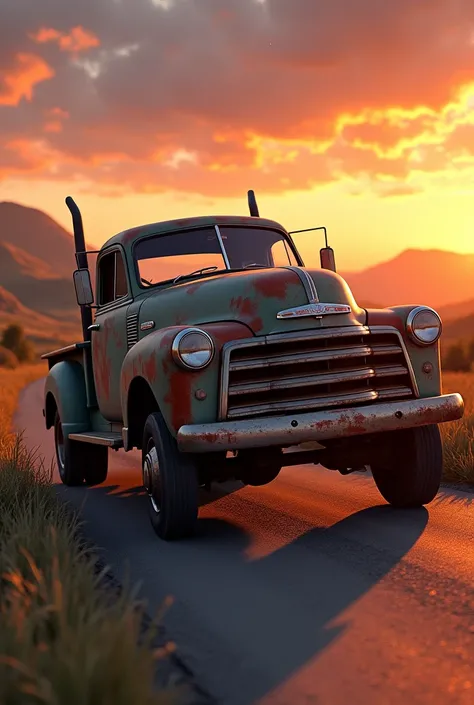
(113, 440)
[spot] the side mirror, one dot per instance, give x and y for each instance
(83, 287)
(328, 261)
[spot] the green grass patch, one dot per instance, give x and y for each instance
(63, 639)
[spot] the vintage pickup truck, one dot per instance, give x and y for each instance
(216, 352)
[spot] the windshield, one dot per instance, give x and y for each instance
(164, 257)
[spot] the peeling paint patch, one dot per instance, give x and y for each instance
(273, 283)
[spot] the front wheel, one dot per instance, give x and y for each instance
(171, 481)
(410, 473)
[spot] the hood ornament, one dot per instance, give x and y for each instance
(314, 308)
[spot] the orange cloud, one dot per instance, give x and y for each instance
(76, 41)
(267, 95)
(18, 82)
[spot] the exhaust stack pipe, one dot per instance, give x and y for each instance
(252, 201)
(81, 259)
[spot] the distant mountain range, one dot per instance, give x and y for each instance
(433, 277)
(36, 265)
(37, 261)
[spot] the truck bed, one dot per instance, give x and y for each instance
(69, 352)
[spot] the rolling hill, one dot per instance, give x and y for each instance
(44, 331)
(40, 238)
(36, 265)
(433, 277)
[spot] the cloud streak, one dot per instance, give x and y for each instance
(135, 95)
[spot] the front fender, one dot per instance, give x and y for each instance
(175, 388)
(65, 384)
(429, 384)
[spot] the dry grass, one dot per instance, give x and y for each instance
(63, 638)
(11, 384)
(458, 437)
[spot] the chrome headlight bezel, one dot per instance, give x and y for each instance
(177, 353)
(411, 325)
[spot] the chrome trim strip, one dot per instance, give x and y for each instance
(391, 330)
(221, 243)
(118, 303)
(315, 310)
(307, 282)
(342, 331)
(291, 429)
(240, 389)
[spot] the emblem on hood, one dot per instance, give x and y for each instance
(316, 309)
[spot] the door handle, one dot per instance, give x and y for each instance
(94, 326)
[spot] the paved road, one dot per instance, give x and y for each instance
(309, 590)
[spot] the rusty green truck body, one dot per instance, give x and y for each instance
(290, 360)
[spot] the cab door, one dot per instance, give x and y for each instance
(109, 335)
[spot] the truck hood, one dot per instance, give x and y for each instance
(254, 298)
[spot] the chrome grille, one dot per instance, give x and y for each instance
(132, 330)
(319, 369)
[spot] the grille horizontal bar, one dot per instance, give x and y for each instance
(314, 370)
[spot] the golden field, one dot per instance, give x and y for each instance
(11, 384)
(458, 436)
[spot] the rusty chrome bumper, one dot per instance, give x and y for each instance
(319, 425)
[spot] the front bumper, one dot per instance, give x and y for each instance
(291, 430)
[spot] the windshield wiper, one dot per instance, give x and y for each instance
(196, 271)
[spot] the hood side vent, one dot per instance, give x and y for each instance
(132, 329)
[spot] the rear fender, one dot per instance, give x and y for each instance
(65, 390)
(175, 388)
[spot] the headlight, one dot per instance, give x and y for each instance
(424, 325)
(192, 348)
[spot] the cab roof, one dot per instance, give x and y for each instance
(128, 237)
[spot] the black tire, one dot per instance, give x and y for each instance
(79, 463)
(411, 474)
(171, 481)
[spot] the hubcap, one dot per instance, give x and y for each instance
(151, 478)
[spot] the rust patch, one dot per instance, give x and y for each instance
(178, 398)
(150, 367)
(102, 362)
(131, 234)
(273, 283)
(247, 309)
(212, 437)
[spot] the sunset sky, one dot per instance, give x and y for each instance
(354, 114)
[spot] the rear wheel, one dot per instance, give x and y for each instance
(79, 463)
(171, 481)
(410, 473)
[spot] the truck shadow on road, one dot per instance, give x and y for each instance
(279, 610)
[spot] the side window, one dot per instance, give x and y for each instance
(112, 278)
(121, 287)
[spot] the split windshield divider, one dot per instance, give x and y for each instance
(221, 244)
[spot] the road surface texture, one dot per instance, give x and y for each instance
(310, 590)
